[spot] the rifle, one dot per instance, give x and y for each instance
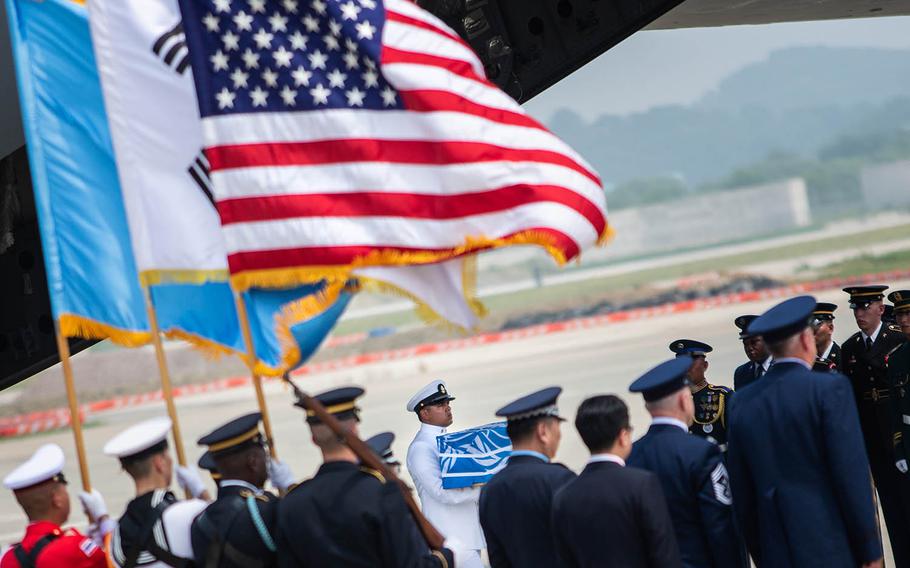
(432, 536)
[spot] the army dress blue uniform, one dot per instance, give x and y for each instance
(801, 487)
(867, 368)
(829, 359)
(348, 514)
(237, 529)
(516, 504)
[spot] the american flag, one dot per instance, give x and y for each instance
(346, 133)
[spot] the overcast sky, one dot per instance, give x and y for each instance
(678, 66)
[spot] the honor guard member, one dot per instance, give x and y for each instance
(381, 444)
(828, 358)
(349, 514)
(142, 537)
(207, 462)
(612, 515)
(801, 488)
(40, 489)
(453, 511)
(864, 361)
(238, 528)
(759, 359)
(710, 420)
(516, 504)
(690, 469)
(899, 378)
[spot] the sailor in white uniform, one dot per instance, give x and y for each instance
(154, 531)
(453, 511)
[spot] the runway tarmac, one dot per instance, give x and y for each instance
(585, 362)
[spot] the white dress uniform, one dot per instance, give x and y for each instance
(453, 511)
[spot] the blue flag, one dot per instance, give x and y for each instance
(92, 267)
(92, 278)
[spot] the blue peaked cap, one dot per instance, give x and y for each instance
(664, 379)
(785, 319)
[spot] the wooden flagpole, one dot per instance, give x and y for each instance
(63, 349)
(244, 320)
(165, 375)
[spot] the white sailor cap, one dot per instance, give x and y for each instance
(432, 393)
(46, 464)
(140, 440)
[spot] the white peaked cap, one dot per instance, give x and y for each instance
(138, 437)
(436, 390)
(44, 464)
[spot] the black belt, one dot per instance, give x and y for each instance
(875, 395)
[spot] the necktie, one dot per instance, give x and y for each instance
(868, 344)
(759, 370)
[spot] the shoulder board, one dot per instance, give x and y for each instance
(720, 388)
(894, 327)
(373, 472)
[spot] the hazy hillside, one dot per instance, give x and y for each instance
(798, 100)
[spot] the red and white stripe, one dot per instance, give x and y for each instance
(463, 161)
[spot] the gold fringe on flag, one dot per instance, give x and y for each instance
(72, 325)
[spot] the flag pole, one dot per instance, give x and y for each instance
(244, 320)
(165, 376)
(63, 349)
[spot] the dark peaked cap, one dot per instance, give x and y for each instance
(535, 405)
(742, 322)
(340, 403)
(234, 435)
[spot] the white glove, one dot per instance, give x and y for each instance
(189, 480)
(901, 465)
(280, 474)
(97, 531)
(93, 504)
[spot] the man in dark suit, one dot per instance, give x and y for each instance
(828, 358)
(515, 506)
(759, 359)
(801, 486)
(690, 469)
(348, 514)
(864, 359)
(611, 515)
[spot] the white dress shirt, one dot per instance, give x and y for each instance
(874, 335)
(607, 458)
(453, 511)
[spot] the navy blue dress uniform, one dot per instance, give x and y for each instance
(865, 362)
(710, 400)
(516, 504)
(350, 515)
(749, 371)
(238, 528)
(801, 487)
(828, 361)
(693, 476)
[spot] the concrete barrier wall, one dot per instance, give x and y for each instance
(709, 219)
(886, 186)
